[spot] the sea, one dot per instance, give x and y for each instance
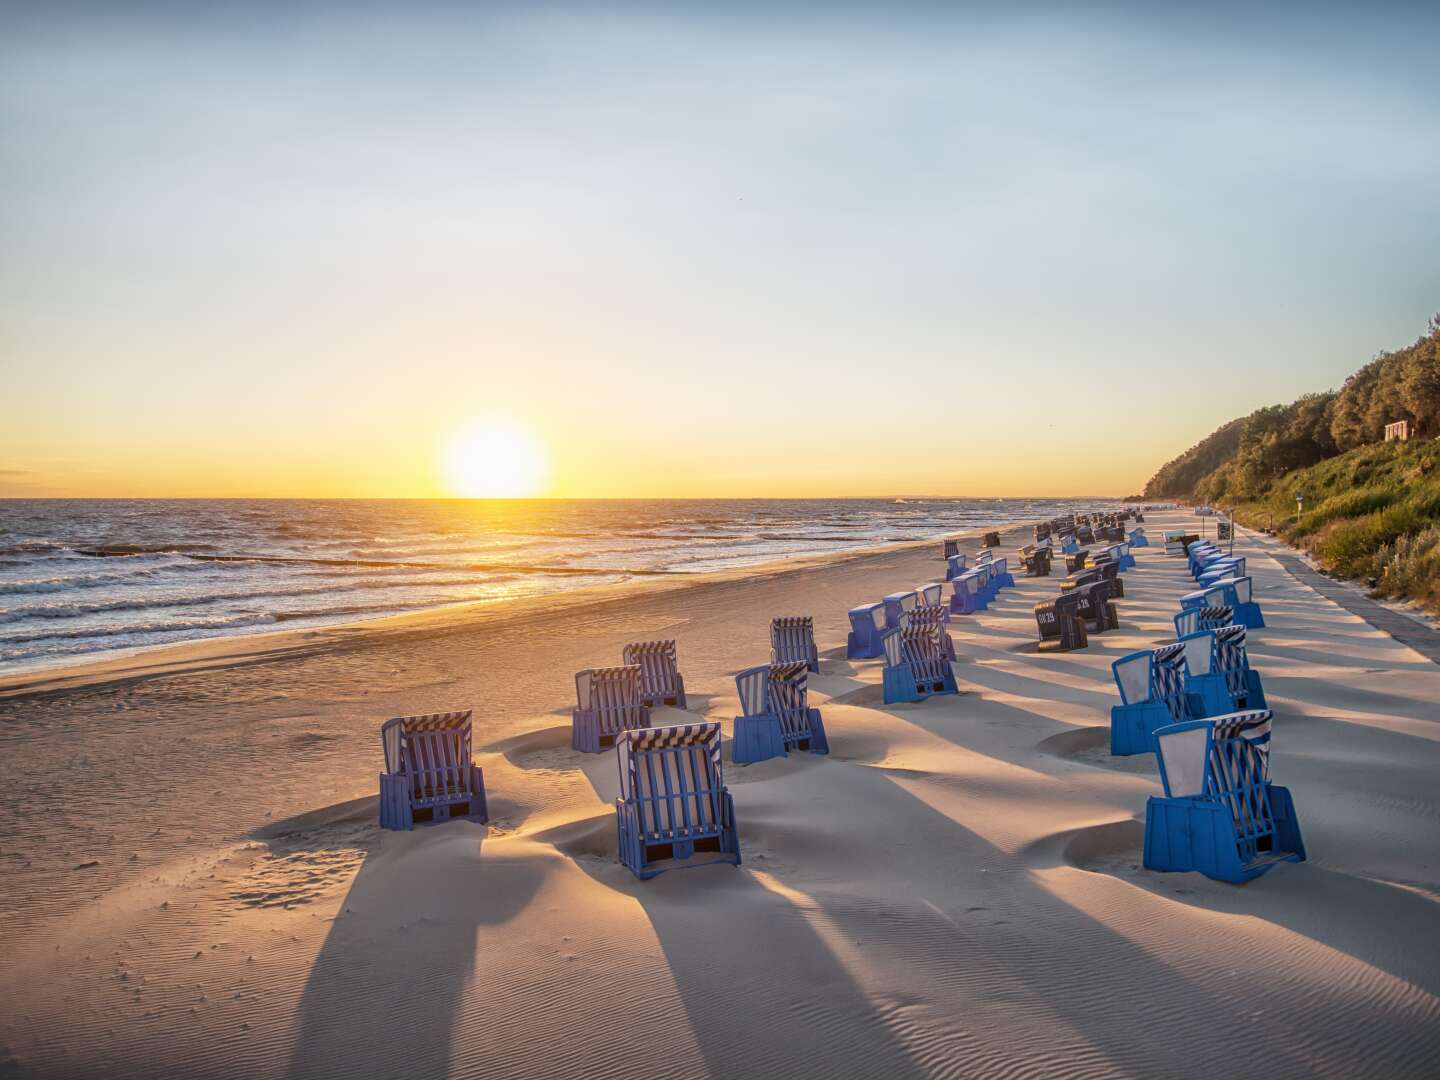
(80, 579)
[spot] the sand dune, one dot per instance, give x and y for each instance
(195, 883)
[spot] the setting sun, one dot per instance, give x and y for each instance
(494, 461)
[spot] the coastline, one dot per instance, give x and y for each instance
(221, 652)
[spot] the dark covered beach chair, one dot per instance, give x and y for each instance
(777, 715)
(429, 774)
(660, 679)
(1061, 627)
(867, 623)
(1220, 814)
(915, 665)
(792, 637)
(992, 539)
(607, 704)
(674, 809)
(1094, 606)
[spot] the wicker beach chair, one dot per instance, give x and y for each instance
(965, 598)
(1153, 694)
(792, 637)
(867, 623)
(1219, 674)
(1194, 619)
(674, 809)
(660, 679)
(777, 715)
(1220, 814)
(607, 704)
(934, 616)
(429, 774)
(915, 665)
(896, 604)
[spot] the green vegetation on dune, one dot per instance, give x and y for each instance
(1372, 509)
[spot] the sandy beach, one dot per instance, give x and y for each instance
(195, 884)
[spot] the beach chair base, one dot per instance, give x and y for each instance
(862, 648)
(812, 741)
(399, 810)
(900, 685)
(756, 738)
(1248, 615)
(586, 735)
(647, 860)
(967, 604)
(675, 700)
(1109, 619)
(1132, 728)
(1199, 835)
(1210, 696)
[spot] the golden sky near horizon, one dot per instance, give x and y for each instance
(689, 252)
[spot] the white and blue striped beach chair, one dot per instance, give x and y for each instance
(429, 774)
(1220, 814)
(674, 809)
(660, 679)
(915, 665)
(774, 699)
(607, 704)
(792, 637)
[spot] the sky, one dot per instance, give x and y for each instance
(692, 250)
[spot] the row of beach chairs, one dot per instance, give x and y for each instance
(674, 806)
(1198, 705)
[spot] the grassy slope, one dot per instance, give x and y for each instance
(1372, 513)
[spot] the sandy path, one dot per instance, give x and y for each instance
(955, 891)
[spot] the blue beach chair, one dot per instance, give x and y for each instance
(896, 604)
(965, 598)
(985, 583)
(674, 809)
(660, 679)
(867, 623)
(954, 567)
(607, 704)
(1234, 593)
(429, 774)
(1000, 574)
(932, 594)
(778, 717)
(1138, 539)
(1218, 569)
(1123, 557)
(1219, 674)
(792, 637)
(934, 616)
(1220, 814)
(1152, 695)
(1193, 620)
(915, 665)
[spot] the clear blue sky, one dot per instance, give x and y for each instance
(694, 249)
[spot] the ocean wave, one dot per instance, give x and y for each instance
(166, 626)
(80, 610)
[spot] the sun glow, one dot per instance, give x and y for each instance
(494, 461)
